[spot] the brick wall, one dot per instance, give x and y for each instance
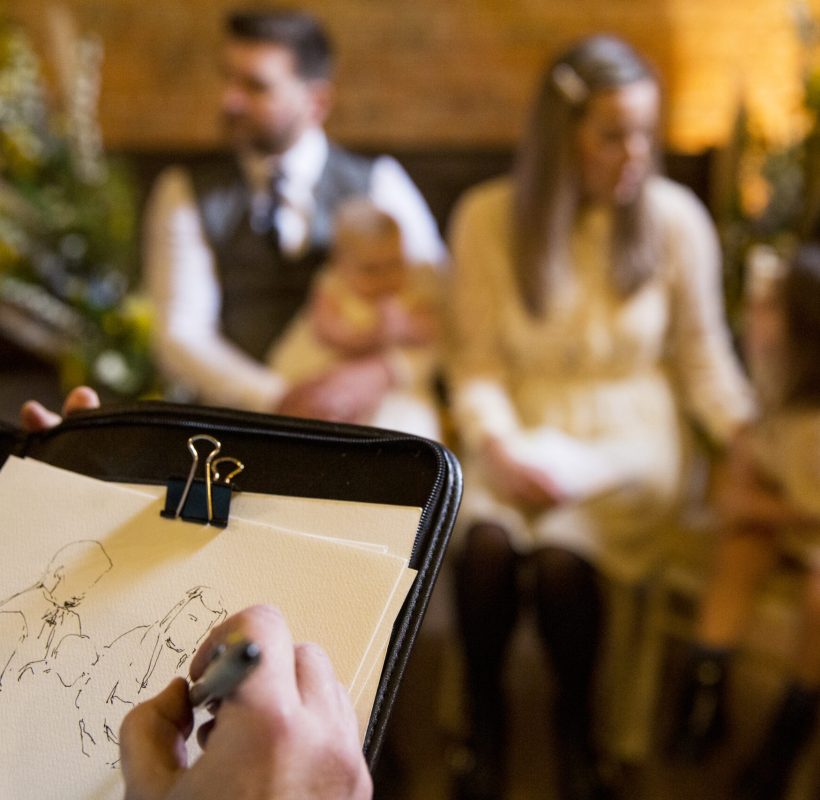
(440, 73)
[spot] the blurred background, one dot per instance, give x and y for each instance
(432, 75)
(130, 87)
(97, 96)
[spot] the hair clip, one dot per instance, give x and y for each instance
(570, 84)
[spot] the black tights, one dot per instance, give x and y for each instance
(569, 611)
(487, 606)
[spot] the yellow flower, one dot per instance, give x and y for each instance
(73, 371)
(139, 312)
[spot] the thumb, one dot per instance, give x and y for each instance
(152, 743)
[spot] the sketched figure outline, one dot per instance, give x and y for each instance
(130, 664)
(41, 618)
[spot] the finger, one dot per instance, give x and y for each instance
(266, 626)
(204, 732)
(315, 677)
(521, 491)
(35, 418)
(152, 742)
(232, 629)
(551, 493)
(81, 398)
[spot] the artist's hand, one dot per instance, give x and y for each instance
(34, 417)
(519, 482)
(349, 393)
(288, 733)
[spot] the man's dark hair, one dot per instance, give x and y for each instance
(297, 31)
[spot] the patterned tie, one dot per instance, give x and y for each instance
(263, 220)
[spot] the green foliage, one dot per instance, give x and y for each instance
(67, 227)
(771, 194)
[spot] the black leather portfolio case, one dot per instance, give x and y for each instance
(140, 443)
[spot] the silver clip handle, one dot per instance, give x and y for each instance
(217, 446)
(231, 475)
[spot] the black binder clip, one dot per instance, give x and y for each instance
(201, 500)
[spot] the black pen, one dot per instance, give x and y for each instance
(226, 671)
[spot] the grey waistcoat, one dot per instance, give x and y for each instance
(261, 287)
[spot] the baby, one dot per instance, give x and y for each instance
(368, 300)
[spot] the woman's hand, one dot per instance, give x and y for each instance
(35, 418)
(519, 482)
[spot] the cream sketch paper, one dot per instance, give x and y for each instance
(363, 705)
(382, 634)
(374, 523)
(102, 600)
(363, 691)
(377, 524)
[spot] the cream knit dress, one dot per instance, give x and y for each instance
(592, 391)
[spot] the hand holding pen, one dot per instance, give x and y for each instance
(230, 664)
(284, 727)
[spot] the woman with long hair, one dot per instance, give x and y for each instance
(587, 309)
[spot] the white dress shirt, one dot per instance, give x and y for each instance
(181, 275)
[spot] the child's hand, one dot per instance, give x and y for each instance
(746, 496)
(332, 328)
(405, 327)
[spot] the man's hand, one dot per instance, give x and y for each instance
(519, 482)
(349, 393)
(288, 733)
(35, 418)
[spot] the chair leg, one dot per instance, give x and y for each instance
(699, 719)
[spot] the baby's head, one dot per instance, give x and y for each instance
(367, 249)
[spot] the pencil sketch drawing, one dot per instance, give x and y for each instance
(141, 660)
(42, 634)
(40, 627)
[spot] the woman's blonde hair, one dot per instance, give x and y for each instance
(547, 189)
